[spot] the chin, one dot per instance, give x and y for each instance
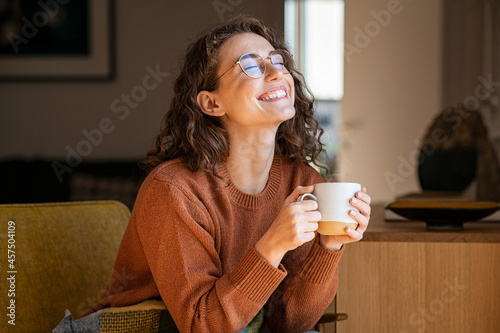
(288, 112)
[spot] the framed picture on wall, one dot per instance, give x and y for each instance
(56, 40)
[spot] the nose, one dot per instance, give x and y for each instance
(272, 72)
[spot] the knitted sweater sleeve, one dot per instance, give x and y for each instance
(311, 284)
(178, 239)
(300, 301)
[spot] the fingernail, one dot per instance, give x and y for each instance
(354, 200)
(360, 194)
(354, 213)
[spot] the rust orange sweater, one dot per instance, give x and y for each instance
(191, 241)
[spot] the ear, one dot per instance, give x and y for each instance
(208, 103)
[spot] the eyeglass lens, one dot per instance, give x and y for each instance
(254, 65)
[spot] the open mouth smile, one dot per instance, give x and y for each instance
(274, 94)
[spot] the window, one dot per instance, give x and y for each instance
(314, 30)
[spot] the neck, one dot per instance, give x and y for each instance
(250, 158)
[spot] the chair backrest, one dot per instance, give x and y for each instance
(61, 257)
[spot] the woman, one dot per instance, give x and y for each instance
(216, 230)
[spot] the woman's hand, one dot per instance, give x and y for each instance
(295, 225)
(362, 202)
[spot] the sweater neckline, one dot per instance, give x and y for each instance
(254, 201)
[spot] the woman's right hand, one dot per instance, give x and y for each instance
(295, 225)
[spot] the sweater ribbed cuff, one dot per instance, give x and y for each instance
(320, 263)
(256, 278)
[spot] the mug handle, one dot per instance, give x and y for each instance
(306, 195)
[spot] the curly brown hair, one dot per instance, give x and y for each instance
(201, 141)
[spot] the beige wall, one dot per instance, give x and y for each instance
(42, 119)
(392, 91)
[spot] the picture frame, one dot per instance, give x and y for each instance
(84, 50)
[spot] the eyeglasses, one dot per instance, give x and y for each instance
(254, 65)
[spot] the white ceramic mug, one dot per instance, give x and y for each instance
(333, 204)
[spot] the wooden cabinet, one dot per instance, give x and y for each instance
(402, 278)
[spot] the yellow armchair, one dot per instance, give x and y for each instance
(56, 256)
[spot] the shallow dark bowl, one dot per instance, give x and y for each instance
(444, 215)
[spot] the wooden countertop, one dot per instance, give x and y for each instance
(380, 230)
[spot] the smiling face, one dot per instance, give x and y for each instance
(245, 102)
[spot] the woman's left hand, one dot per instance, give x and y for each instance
(361, 201)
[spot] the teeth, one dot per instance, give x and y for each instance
(275, 94)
